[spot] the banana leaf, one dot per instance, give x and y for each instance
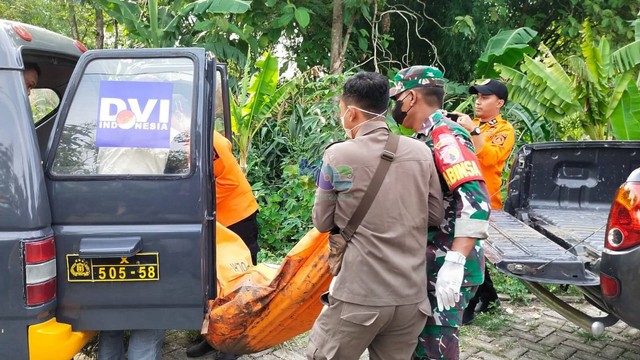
(619, 88)
(593, 56)
(627, 57)
(262, 87)
(550, 84)
(508, 48)
(218, 6)
(636, 24)
(525, 92)
(625, 119)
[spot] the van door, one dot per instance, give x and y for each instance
(128, 175)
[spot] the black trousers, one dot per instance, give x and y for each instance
(486, 291)
(247, 229)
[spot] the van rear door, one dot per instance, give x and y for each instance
(128, 175)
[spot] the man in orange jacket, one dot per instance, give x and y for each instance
(236, 209)
(493, 139)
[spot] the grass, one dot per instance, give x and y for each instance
(510, 286)
(589, 337)
(492, 320)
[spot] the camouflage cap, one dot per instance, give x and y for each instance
(414, 77)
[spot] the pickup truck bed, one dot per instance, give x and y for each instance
(519, 249)
(553, 226)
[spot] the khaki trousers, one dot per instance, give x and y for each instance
(344, 330)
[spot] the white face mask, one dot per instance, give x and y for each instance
(349, 131)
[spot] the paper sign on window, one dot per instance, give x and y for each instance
(135, 114)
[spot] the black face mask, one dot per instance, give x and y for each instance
(397, 114)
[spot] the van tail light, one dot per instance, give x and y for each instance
(40, 271)
(609, 286)
(623, 228)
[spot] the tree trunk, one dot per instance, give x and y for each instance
(99, 29)
(72, 20)
(115, 33)
(336, 37)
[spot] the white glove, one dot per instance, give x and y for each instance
(449, 280)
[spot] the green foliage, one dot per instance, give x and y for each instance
(611, 18)
(43, 101)
(284, 158)
(508, 48)
(457, 45)
(285, 214)
(464, 25)
(588, 90)
(493, 320)
(625, 118)
(167, 24)
(627, 57)
(510, 286)
(256, 102)
(53, 15)
(530, 126)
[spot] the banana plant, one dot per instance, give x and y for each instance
(508, 48)
(164, 25)
(256, 102)
(596, 87)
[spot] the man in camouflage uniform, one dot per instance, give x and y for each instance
(455, 260)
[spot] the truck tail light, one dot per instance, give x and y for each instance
(40, 271)
(623, 228)
(609, 285)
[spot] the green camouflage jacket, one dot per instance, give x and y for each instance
(466, 207)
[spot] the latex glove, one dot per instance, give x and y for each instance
(449, 280)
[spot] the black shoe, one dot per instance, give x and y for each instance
(201, 349)
(487, 305)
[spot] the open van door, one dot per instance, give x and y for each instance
(131, 191)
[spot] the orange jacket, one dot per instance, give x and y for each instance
(234, 198)
(499, 138)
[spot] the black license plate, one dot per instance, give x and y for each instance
(140, 267)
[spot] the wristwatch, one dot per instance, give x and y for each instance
(475, 131)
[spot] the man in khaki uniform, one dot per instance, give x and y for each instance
(379, 299)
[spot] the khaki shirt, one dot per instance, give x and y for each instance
(385, 261)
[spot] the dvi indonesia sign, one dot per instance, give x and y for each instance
(134, 114)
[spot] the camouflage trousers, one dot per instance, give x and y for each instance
(439, 338)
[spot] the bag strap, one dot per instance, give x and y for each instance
(370, 194)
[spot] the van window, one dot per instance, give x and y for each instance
(129, 117)
(219, 110)
(43, 102)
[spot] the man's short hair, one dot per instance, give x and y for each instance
(32, 66)
(367, 90)
(432, 95)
